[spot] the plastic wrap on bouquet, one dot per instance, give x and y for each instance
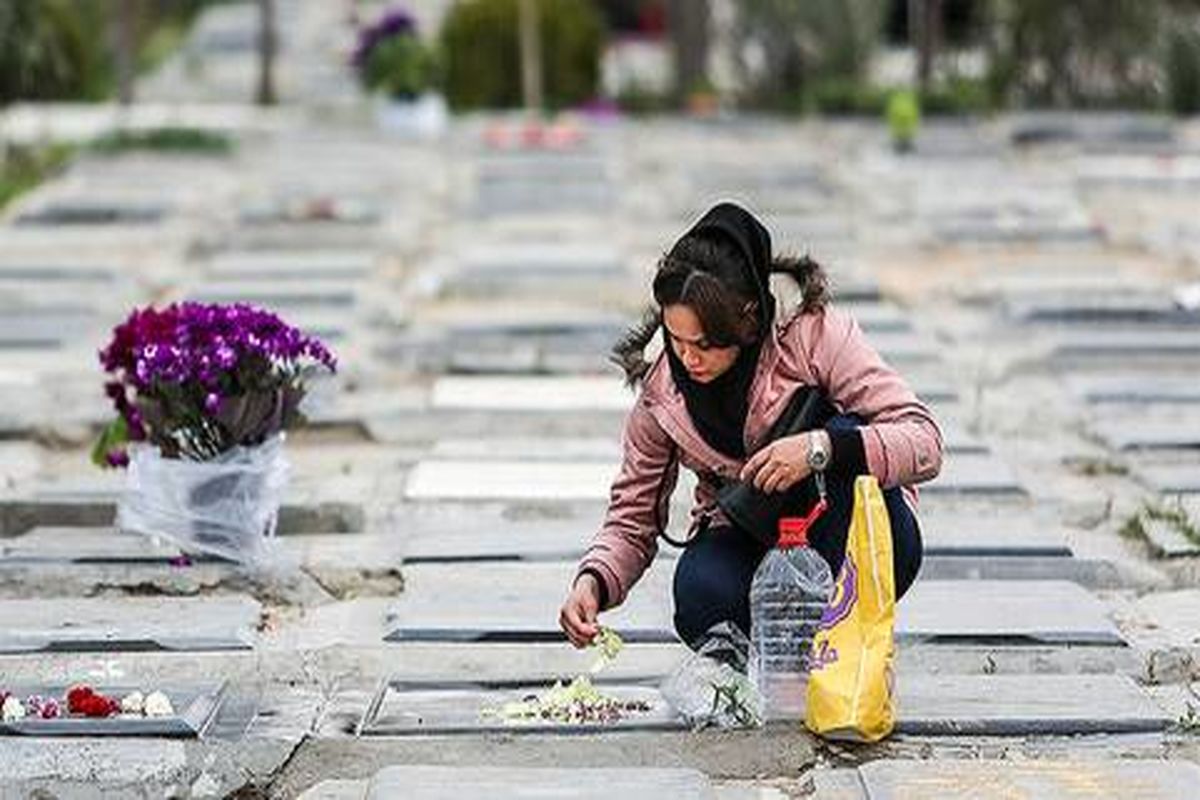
(227, 506)
(710, 688)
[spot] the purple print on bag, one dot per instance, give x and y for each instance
(823, 655)
(845, 592)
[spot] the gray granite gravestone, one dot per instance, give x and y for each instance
(127, 624)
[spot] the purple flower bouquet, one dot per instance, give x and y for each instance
(203, 395)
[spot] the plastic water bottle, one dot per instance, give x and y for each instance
(787, 598)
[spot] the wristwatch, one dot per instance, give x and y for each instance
(818, 454)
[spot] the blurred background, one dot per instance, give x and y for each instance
(465, 200)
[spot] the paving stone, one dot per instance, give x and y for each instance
(1167, 540)
(336, 790)
(194, 707)
(127, 623)
(274, 295)
(531, 394)
(90, 212)
(1092, 573)
(516, 602)
(1013, 611)
(55, 274)
(44, 328)
(950, 779)
(547, 167)
(517, 479)
(1181, 478)
(1142, 390)
(1108, 129)
(311, 209)
(508, 480)
(955, 437)
(1139, 172)
(512, 196)
(974, 473)
(292, 265)
(1131, 344)
(879, 317)
(928, 705)
(1005, 705)
(547, 261)
(85, 545)
(999, 533)
(603, 450)
(1094, 308)
(1144, 433)
(424, 427)
(410, 708)
(1175, 616)
(449, 532)
(91, 502)
(905, 347)
(464, 532)
(518, 349)
(522, 783)
(1006, 229)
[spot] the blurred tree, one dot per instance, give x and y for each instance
(51, 50)
(926, 22)
(126, 49)
(688, 21)
(1084, 53)
(48, 52)
(789, 48)
(265, 95)
(481, 53)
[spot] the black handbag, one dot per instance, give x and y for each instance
(758, 513)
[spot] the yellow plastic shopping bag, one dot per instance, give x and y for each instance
(851, 681)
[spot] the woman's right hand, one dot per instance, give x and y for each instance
(577, 617)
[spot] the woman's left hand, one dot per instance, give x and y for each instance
(780, 465)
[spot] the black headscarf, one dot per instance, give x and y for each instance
(719, 408)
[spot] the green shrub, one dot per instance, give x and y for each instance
(391, 57)
(170, 139)
(638, 99)
(848, 96)
(482, 55)
(25, 167)
(956, 96)
(1183, 71)
(400, 66)
(903, 119)
(54, 50)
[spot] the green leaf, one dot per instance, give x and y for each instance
(114, 436)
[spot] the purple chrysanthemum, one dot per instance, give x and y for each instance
(394, 22)
(174, 368)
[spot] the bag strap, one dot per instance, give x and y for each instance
(681, 544)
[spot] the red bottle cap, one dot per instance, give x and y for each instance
(793, 531)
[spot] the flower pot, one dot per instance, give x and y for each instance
(227, 506)
(421, 117)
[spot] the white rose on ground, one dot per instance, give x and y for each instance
(13, 710)
(157, 704)
(132, 703)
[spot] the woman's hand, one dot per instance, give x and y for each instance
(780, 465)
(577, 617)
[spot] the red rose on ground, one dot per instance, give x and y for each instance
(86, 701)
(76, 695)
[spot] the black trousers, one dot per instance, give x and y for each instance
(712, 578)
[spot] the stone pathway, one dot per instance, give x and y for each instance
(460, 462)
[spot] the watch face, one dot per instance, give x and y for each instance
(818, 456)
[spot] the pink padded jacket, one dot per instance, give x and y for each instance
(826, 348)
